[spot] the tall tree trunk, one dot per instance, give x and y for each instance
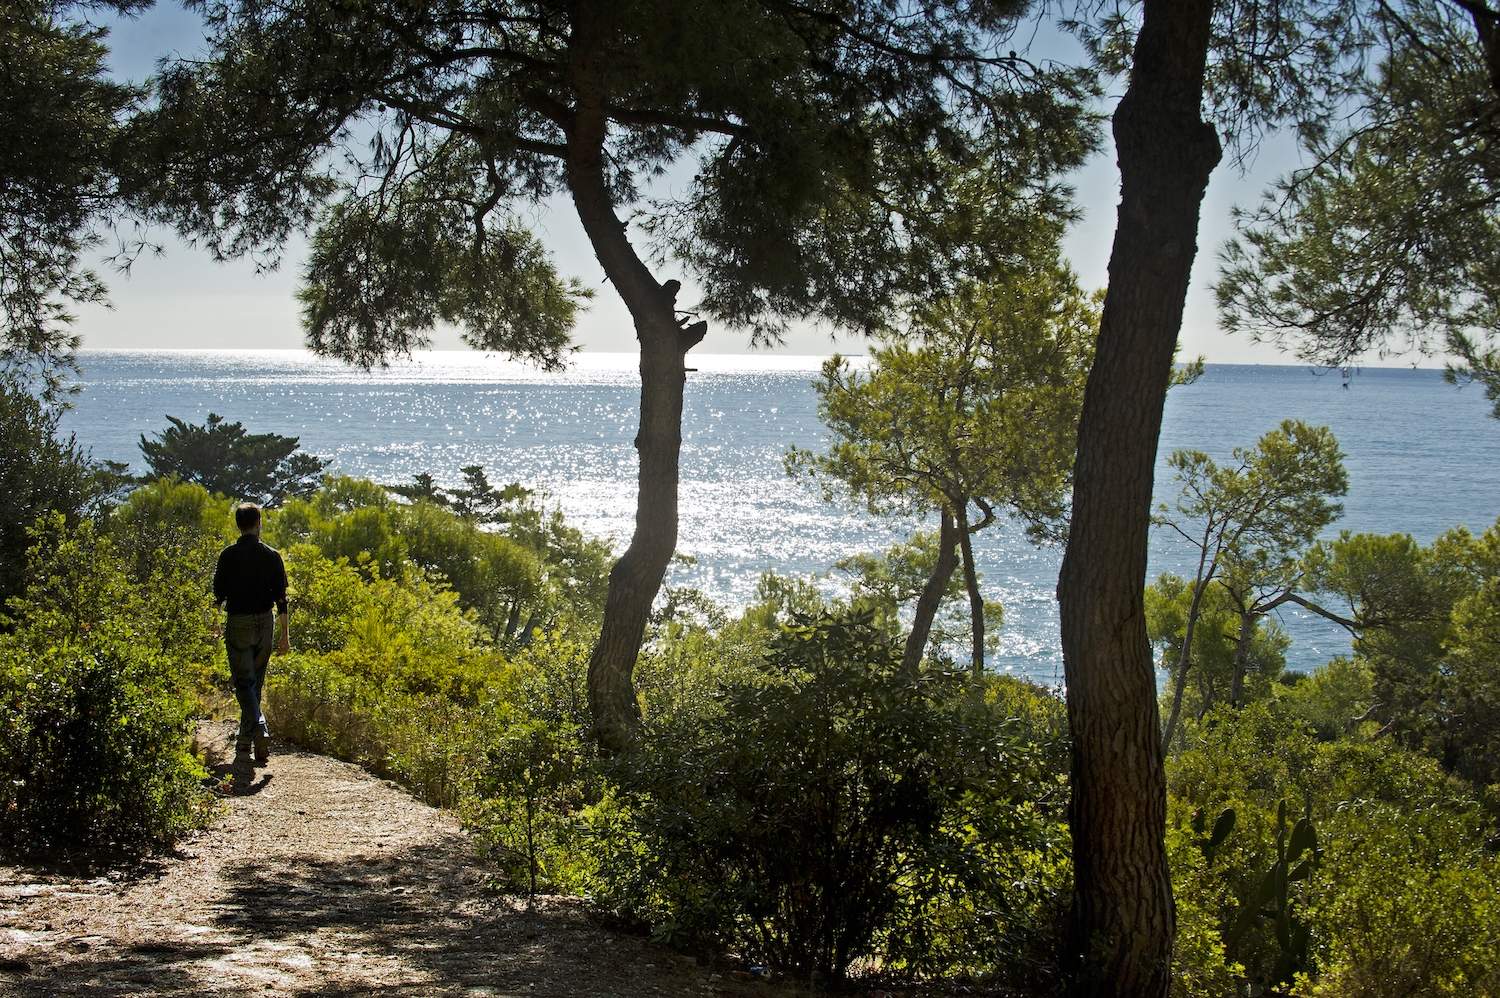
(1184, 662)
(932, 593)
(1179, 689)
(1208, 699)
(636, 578)
(1122, 915)
(976, 601)
(1241, 653)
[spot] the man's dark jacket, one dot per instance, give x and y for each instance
(250, 577)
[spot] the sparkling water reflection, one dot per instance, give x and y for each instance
(1421, 455)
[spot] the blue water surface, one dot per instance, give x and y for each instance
(1422, 456)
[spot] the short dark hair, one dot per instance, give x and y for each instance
(246, 516)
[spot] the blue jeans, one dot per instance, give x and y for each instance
(249, 638)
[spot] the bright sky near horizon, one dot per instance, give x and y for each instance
(182, 299)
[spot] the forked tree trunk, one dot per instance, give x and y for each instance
(1122, 914)
(636, 578)
(932, 592)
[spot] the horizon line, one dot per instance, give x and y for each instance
(603, 354)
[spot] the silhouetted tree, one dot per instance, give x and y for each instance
(975, 410)
(266, 468)
(60, 164)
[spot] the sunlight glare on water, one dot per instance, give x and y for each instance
(1422, 456)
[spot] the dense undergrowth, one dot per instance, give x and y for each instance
(796, 797)
(98, 687)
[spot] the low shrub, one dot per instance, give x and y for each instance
(1408, 906)
(399, 677)
(533, 794)
(353, 705)
(834, 808)
(1403, 899)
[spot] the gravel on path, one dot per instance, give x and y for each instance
(320, 880)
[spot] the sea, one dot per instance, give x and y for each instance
(1423, 456)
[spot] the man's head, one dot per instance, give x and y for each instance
(247, 518)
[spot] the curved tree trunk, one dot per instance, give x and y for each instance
(636, 578)
(976, 601)
(1184, 662)
(1179, 689)
(1241, 653)
(1122, 915)
(932, 593)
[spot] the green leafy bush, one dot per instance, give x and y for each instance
(427, 741)
(1333, 698)
(532, 797)
(836, 808)
(1403, 899)
(536, 572)
(40, 473)
(94, 712)
(1408, 904)
(394, 675)
(403, 613)
(410, 621)
(169, 535)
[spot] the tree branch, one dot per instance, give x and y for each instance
(685, 122)
(1351, 626)
(1361, 719)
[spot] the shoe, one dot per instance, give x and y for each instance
(243, 765)
(262, 749)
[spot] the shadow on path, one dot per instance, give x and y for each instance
(324, 881)
(416, 922)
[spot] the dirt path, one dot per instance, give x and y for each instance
(320, 880)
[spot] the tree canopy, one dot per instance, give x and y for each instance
(60, 171)
(1248, 525)
(974, 407)
(446, 118)
(1388, 241)
(225, 458)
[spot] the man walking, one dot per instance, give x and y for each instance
(251, 578)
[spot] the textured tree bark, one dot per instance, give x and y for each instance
(636, 578)
(1122, 914)
(976, 601)
(932, 593)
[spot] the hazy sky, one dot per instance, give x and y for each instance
(185, 300)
